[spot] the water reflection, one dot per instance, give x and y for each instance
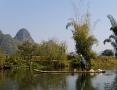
(51, 81)
(113, 85)
(83, 80)
(24, 79)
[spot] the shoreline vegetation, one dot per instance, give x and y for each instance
(49, 54)
(105, 61)
(98, 61)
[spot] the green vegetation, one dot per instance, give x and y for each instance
(104, 61)
(107, 52)
(47, 53)
(96, 62)
(112, 38)
(26, 51)
(2, 59)
(82, 33)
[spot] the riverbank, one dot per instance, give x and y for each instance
(104, 61)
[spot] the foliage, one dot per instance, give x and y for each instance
(14, 60)
(104, 60)
(75, 61)
(82, 33)
(45, 53)
(112, 38)
(70, 56)
(107, 52)
(52, 50)
(26, 51)
(2, 59)
(116, 54)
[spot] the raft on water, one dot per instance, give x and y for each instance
(41, 71)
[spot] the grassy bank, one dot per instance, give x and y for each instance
(104, 60)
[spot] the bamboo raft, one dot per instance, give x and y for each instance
(40, 71)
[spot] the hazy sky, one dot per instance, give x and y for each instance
(45, 19)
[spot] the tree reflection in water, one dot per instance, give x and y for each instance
(84, 82)
(23, 79)
(51, 81)
(114, 84)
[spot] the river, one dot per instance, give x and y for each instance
(25, 79)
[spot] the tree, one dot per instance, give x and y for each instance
(107, 52)
(26, 51)
(112, 38)
(82, 32)
(52, 52)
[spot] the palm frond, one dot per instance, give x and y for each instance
(113, 36)
(114, 45)
(106, 40)
(92, 40)
(69, 24)
(112, 20)
(114, 29)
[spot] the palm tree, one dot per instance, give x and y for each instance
(112, 38)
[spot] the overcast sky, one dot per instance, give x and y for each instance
(48, 18)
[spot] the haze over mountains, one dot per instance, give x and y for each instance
(9, 43)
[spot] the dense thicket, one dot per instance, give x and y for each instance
(47, 52)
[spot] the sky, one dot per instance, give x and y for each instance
(45, 19)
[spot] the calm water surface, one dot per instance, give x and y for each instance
(25, 79)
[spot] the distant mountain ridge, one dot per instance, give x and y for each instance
(23, 35)
(9, 44)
